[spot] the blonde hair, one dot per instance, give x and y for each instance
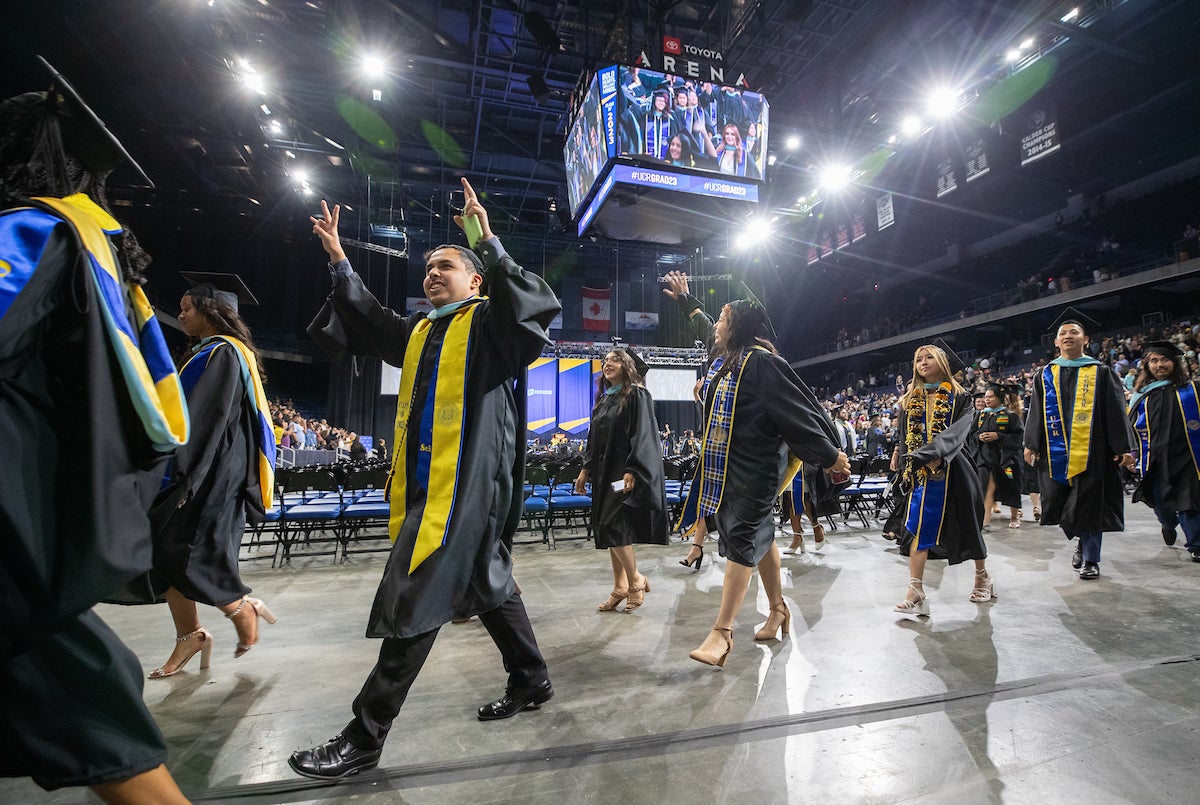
(1012, 401)
(943, 363)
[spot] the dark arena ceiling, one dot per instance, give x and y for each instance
(246, 112)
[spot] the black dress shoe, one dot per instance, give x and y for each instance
(515, 701)
(1169, 535)
(1077, 557)
(334, 759)
(1196, 556)
(1090, 570)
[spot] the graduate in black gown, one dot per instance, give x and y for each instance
(90, 407)
(224, 473)
(456, 476)
(759, 419)
(941, 515)
(1165, 414)
(1077, 436)
(623, 448)
(999, 434)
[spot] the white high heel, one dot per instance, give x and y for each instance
(918, 607)
(984, 589)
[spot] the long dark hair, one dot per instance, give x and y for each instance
(746, 324)
(226, 321)
(632, 377)
(1178, 375)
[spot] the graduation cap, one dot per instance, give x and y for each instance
(227, 288)
(1004, 388)
(1164, 348)
(85, 136)
(978, 395)
(956, 363)
(638, 362)
(1073, 316)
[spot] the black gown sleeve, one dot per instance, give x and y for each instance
(215, 401)
(949, 443)
(795, 413)
(644, 460)
(1035, 424)
(352, 322)
(1118, 436)
(701, 323)
(521, 308)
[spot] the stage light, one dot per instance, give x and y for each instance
(290, 154)
(770, 159)
(910, 125)
(264, 108)
(793, 142)
(374, 65)
(306, 190)
(891, 139)
(300, 175)
(942, 102)
(1013, 55)
(276, 127)
(1027, 44)
(255, 83)
(377, 95)
(1070, 15)
(833, 178)
(755, 232)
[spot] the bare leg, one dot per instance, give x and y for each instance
(154, 787)
(797, 523)
(768, 574)
(810, 511)
(625, 572)
(697, 548)
(989, 499)
(737, 578)
(916, 570)
(187, 621)
(1036, 499)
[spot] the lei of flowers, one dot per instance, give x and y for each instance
(915, 436)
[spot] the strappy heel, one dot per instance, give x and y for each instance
(699, 560)
(917, 607)
(260, 611)
(984, 589)
(614, 598)
(203, 647)
(779, 621)
(637, 595)
(712, 658)
(796, 547)
(818, 537)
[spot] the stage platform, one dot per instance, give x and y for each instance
(1059, 691)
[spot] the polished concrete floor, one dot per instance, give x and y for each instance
(1061, 690)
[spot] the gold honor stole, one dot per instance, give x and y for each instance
(141, 352)
(1068, 447)
(447, 433)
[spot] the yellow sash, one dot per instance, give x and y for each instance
(1080, 439)
(447, 433)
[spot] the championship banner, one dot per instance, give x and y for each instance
(885, 211)
(976, 160)
(946, 181)
(574, 394)
(596, 309)
(858, 229)
(814, 256)
(608, 107)
(1040, 135)
(417, 304)
(640, 320)
(540, 395)
(826, 243)
(843, 236)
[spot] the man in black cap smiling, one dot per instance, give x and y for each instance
(1165, 415)
(1077, 436)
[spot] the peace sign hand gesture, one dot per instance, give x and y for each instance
(326, 228)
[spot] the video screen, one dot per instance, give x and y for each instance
(586, 151)
(694, 124)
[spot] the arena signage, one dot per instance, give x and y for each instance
(691, 61)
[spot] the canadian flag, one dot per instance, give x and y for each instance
(596, 309)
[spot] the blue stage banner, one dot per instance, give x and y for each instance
(574, 394)
(716, 187)
(608, 107)
(597, 203)
(540, 395)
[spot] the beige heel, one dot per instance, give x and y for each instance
(779, 621)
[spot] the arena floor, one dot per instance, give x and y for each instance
(1061, 690)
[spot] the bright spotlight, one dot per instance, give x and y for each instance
(276, 127)
(834, 178)
(755, 232)
(891, 139)
(1027, 44)
(377, 95)
(910, 125)
(255, 82)
(1070, 15)
(770, 159)
(942, 102)
(793, 142)
(301, 176)
(374, 65)
(1013, 55)
(306, 190)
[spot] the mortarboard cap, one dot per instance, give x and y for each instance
(85, 136)
(638, 362)
(1164, 348)
(227, 288)
(1004, 388)
(1074, 316)
(956, 363)
(978, 394)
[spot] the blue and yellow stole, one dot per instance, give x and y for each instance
(1189, 410)
(1068, 441)
(927, 500)
(256, 395)
(708, 487)
(440, 433)
(141, 352)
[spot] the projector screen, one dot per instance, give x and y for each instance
(671, 384)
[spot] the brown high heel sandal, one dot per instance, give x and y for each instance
(203, 646)
(700, 655)
(260, 611)
(780, 618)
(637, 595)
(614, 598)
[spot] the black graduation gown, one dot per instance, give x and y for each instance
(201, 515)
(472, 572)
(961, 534)
(1169, 454)
(1001, 460)
(624, 438)
(1095, 500)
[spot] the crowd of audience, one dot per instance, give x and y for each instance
(293, 430)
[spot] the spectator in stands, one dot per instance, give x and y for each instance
(624, 462)
(1165, 415)
(221, 478)
(310, 436)
(941, 517)
(76, 522)
(278, 429)
(381, 449)
(358, 451)
(455, 508)
(847, 438)
(1080, 484)
(1000, 433)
